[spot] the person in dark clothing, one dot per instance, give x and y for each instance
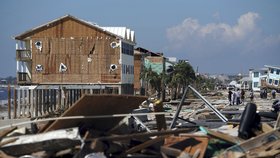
(229, 96)
(242, 95)
(273, 93)
(251, 95)
(265, 93)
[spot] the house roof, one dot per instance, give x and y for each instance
(245, 79)
(272, 66)
(147, 52)
(260, 70)
(120, 32)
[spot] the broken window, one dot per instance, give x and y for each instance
(62, 68)
(114, 44)
(39, 68)
(113, 67)
(277, 72)
(270, 81)
(276, 82)
(38, 45)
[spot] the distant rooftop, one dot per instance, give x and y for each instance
(272, 66)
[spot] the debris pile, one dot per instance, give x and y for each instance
(112, 126)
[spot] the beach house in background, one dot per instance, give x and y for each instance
(273, 77)
(72, 52)
(146, 59)
(267, 77)
(63, 59)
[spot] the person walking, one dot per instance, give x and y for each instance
(251, 95)
(273, 93)
(229, 96)
(238, 95)
(242, 95)
(233, 97)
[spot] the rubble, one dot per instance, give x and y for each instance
(114, 126)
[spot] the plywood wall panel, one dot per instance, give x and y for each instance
(70, 43)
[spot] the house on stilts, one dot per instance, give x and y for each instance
(59, 61)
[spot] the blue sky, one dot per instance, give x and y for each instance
(217, 36)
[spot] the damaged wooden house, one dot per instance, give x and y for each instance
(59, 61)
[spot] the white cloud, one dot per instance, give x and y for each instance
(198, 39)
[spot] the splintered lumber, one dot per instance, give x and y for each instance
(142, 135)
(94, 105)
(3, 133)
(192, 144)
(220, 135)
(173, 152)
(269, 150)
(50, 141)
(264, 139)
(144, 145)
(266, 127)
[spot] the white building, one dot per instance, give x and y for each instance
(257, 76)
(268, 77)
(273, 77)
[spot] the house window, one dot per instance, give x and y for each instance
(256, 84)
(270, 81)
(277, 72)
(127, 49)
(256, 74)
(276, 82)
(271, 71)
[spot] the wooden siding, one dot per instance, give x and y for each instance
(137, 71)
(71, 43)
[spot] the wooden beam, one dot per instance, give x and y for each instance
(144, 145)
(220, 135)
(143, 135)
(258, 141)
(3, 133)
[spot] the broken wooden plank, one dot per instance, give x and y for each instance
(220, 135)
(92, 105)
(260, 140)
(50, 141)
(3, 133)
(143, 135)
(191, 144)
(173, 152)
(266, 127)
(144, 145)
(2, 143)
(268, 150)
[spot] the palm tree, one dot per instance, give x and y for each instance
(151, 79)
(182, 75)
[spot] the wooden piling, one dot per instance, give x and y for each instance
(15, 102)
(40, 101)
(31, 102)
(36, 102)
(160, 119)
(19, 101)
(54, 99)
(9, 101)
